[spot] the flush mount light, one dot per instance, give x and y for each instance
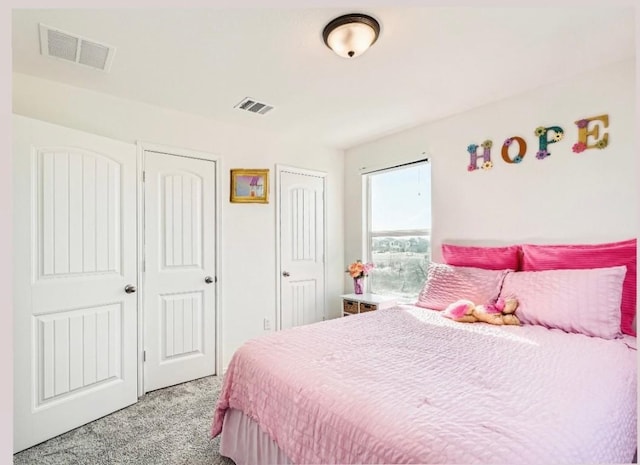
(351, 35)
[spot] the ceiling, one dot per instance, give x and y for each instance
(427, 64)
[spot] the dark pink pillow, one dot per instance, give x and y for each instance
(583, 256)
(488, 258)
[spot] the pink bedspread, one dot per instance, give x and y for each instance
(406, 385)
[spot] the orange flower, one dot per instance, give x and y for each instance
(356, 269)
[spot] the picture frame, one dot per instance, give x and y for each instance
(249, 185)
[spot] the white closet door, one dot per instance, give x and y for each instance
(74, 253)
(179, 276)
(302, 283)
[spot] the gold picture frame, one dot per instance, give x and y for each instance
(249, 186)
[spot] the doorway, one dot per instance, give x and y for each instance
(180, 267)
(301, 246)
(90, 282)
(74, 278)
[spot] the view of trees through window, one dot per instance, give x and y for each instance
(400, 265)
(399, 234)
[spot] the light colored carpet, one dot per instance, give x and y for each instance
(166, 427)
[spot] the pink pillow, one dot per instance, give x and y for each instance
(559, 257)
(489, 258)
(575, 301)
(446, 283)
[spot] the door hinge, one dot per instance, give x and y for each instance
(144, 355)
(144, 266)
(144, 176)
(215, 279)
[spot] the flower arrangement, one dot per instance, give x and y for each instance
(359, 270)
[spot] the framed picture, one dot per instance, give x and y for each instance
(249, 186)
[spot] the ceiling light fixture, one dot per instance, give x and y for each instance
(351, 35)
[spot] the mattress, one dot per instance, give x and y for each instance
(406, 385)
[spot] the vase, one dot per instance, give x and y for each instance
(358, 285)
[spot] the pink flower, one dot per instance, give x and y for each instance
(579, 147)
(367, 268)
(582, 123)
(471, 168)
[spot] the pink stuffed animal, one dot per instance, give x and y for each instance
(502, 312)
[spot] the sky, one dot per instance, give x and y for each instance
(400, 198)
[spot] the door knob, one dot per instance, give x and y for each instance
(129, 289)
(285, 274)
(208, 280)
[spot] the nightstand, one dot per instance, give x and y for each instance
(353, 304)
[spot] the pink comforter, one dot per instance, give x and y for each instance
(406, 385)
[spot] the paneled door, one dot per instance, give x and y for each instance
(179, 269)
(74, 265)
(302, 262)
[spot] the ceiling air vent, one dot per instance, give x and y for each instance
(71, 47)
(252, 105)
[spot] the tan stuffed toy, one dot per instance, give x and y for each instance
(502, 312)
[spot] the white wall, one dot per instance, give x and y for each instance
(248, 275)
(568, 197)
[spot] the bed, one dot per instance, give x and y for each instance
(406, 385)
(411, 385)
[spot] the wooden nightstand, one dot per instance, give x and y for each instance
(353, 304)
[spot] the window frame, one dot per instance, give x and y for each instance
(368, 234)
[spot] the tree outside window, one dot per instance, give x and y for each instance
(399, 229)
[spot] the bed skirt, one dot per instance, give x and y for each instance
(246, 444)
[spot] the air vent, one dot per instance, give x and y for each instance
(71, 47)
(252, 105)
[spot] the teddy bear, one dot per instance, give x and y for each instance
(501, 312)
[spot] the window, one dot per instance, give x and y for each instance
(399, 228)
